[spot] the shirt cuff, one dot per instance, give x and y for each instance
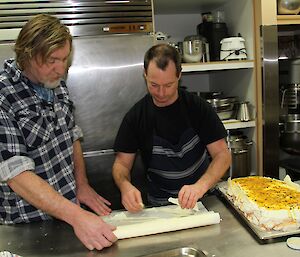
(14, 166)
(77, 132)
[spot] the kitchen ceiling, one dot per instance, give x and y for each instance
(184, 6)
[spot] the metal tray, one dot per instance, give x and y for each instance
(261, 234)
(178, 252)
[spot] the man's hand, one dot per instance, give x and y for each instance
(88, 196)
(92, 231)
(189, 195)
(131, 198)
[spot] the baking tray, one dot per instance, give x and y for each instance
(261, 234)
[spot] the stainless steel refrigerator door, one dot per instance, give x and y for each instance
(6, 52)
(270, 101)
(105, 79)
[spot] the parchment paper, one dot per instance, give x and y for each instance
(160, 219)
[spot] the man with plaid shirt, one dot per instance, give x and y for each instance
(42, 171)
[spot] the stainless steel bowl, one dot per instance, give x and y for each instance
(288, 6)
(225, 115)
(224, 107)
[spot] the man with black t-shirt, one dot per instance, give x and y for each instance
(174, 131)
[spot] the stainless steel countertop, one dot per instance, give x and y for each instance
(227, 239)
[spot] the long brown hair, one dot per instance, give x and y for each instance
(39, 37)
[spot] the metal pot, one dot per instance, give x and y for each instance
(290, 134)
(241, 163)
(239, 143)
(240, 147)
(290, 142)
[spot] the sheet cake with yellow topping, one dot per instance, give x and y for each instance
(270, 204)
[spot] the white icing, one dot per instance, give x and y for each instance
(267, 219)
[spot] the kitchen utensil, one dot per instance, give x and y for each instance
(161, 36)
(293, 242)
(219, 16)
(240, 147)
(294, 71)
(241, 163)
(222, 101)
(291, 97)
(239, 142)
(288, 6)
(244, 112)
(194, 48)
(233, 48)
(290, 135)
(211, 94)
(224, 106)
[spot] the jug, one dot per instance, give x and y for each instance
(244, 112)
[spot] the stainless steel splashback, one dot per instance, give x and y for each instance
(105, 80)
(83, 17)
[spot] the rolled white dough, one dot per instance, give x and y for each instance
(166, 225)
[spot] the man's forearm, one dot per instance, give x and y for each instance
(79, 164)
(215, 170)
(41, 195)
(121, 175)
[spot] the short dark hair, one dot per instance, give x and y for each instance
(162, 54)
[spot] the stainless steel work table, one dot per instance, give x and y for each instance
(227, 239)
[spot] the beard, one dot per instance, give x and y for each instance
(51, 84)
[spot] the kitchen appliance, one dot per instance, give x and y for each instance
(290, 106)
(290, 99)
(106, 74)
(288, 6)
(291, 86)
(233, 48)
(214, 32)
(195, 49)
